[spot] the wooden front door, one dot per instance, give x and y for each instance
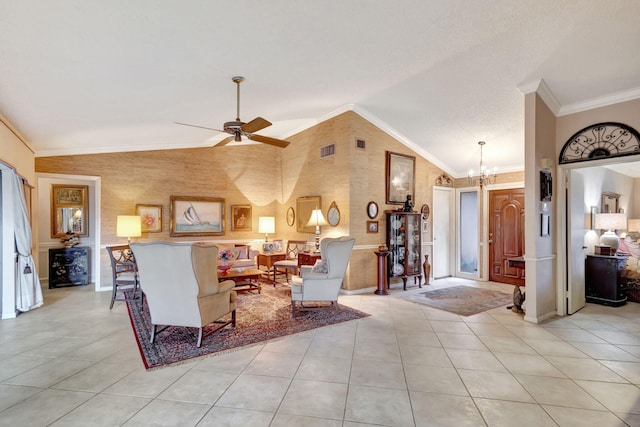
(506, 235)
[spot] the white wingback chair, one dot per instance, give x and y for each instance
(322, 282)
(180, 282)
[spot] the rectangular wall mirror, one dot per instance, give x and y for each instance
(609, 203)
(69, 209)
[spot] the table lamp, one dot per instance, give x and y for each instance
(317, 220)
(266, 225)
(610, 222)
(128, 226)
(633, 225)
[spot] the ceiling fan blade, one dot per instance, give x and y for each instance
(224, 141)
(268, 140)
(255, 125)
(201, 127)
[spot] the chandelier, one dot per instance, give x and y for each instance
(485, 176)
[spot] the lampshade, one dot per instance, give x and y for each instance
(316, 219)
(266, 224)
(128, 226)
(611, 221)
(633, 225)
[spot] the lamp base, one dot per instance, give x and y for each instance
(609, 238)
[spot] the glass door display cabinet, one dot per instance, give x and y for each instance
(404, 240)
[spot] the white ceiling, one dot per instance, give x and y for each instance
(87, 76)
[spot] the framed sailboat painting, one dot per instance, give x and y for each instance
(196, 216)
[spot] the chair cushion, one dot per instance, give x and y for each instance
(288, 263)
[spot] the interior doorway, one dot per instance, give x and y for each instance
(506, 235)
(443, 231)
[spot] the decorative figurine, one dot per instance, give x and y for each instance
(408, 204)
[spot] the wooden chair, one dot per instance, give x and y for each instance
(124, 271)
(291, 263)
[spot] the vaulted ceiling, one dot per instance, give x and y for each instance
(90, 76)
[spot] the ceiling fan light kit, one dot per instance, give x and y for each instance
(238, 129)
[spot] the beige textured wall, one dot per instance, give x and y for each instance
(270, 179)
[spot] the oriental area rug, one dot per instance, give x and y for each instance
(462, 300)
(259, 317)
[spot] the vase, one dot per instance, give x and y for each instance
(224, 267)
(427, 269)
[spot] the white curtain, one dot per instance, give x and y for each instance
(28, 290)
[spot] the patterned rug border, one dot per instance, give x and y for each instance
(177, 345)
(461, 299)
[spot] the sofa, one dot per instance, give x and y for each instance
(243, 256)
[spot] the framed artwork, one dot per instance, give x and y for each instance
(545, 186)
(304, 206)
(196, 216)
(151, 217)
(400, 178)
(372, 210)
(69, 210)
(241, 218)
(277, 245)
(609, 202)
(372, 226)
(545, 225)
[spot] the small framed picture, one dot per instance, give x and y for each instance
(150, 217)
(372, 226)
(241, 218)
(277, 245)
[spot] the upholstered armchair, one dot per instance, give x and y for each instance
(322, 282)
(124, 273)
(180, 282)
(291, 263)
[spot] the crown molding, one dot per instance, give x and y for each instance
(540, 87)
(603, 101)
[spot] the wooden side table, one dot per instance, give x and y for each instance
(267, 260)
(307, 258)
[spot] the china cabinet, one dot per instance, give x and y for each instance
(404, 243)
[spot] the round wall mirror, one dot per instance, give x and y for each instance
(333, 214)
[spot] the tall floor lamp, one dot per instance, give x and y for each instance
(317, 220)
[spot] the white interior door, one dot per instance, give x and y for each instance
(576, 231)
(443, 220)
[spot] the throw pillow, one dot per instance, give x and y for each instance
(243, 252)
(320, 267)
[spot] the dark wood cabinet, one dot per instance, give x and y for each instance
(307, 258)
(404, 240)
(68, 267)
(604, 283)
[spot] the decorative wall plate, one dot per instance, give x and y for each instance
(291, 217)
(372, 209)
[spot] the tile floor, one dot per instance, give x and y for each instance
(74, 362)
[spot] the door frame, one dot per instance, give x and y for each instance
(459, 273)
(451, 232)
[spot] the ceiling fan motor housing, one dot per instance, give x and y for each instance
(233, 126)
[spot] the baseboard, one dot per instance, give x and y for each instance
(540, 319)
(358, 291)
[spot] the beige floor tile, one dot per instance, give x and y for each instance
(529, 331)
(49, 373)
(475, 359)
(315, 399)
(232, 417)
(232, 362)
(328, 369)
(12, 394)
(287, 420)
(623, 398)
(554, 348)
(558, 392)
(141, 383)
(494, 385)
(618, 337)
(378, 406)
(255, 392)
(450, 327)
(440, 380)
(292, 344)
(274, 364)
(605, 352)
(502, 344)
(629, 370)
(43, 408)
(528, 364)
(323, 346)
(381, 352)
(575, 335)
(196, 386)
(168, 413)
(97, 377)
(461, 341)
(103, 410)
(423, 338)
(572, 417)
(490, 329)
(427, 356)
(503, 413)
(377, 374)
(586, 369)
(13, 365)
(431, 409)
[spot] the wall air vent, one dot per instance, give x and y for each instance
(327, 150)
(361, 143)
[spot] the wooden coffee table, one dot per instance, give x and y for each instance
(246, 279)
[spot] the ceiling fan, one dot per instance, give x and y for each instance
(238, 128)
